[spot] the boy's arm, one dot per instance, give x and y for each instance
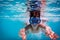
(22, 33)
(49, 32)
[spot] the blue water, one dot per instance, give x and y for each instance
(9, 30)
(10, 22)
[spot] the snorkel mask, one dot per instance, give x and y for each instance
(34, 20)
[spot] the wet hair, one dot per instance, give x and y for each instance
(34, 14)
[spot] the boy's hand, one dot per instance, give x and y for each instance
(22, 33)
(53, 36)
